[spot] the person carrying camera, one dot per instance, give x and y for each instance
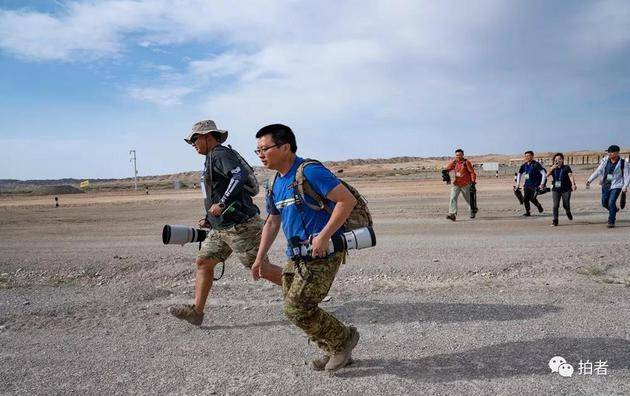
(615, 179)
(562, 186)
(465, 183)
(231, 215)
(306, 280)
(534, 175)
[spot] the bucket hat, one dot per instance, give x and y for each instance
(205, 127)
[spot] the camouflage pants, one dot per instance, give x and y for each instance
(242, 238)
(302, 296)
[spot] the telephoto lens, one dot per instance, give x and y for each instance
(360, 238)
(181, 234)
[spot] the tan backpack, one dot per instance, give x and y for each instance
(359, 217)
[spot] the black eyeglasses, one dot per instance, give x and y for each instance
(193, 139)
(263, 150)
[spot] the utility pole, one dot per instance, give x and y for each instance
(132, 153)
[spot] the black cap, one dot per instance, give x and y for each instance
(613, 149)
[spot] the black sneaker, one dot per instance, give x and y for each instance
(554, 223)
(451, 217)
(540, 209)
(610, 225)
(526, 214)
(569, 216)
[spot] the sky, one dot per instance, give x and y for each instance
(84, 82)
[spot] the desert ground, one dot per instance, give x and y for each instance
(472, 307)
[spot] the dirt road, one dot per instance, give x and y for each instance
(473, 307)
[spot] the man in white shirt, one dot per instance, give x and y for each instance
(615, 180)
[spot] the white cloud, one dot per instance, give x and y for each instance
(426, 73)
(161, 96)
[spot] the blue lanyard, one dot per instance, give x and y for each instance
(559, 177)
(530, 168)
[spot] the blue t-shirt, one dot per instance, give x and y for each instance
(301, 221)
(532, 169)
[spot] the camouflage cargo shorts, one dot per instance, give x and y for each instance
(242, 239)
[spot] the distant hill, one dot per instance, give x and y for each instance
(352, 168)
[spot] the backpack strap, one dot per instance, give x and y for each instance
(304, 188)
(269, 186)
(469, 166)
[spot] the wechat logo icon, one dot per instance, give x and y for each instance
(559, 365)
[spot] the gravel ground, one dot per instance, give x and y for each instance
(473, 307)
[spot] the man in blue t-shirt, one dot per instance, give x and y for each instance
(306, 280)
(534, 176)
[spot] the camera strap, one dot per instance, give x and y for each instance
(222, 267)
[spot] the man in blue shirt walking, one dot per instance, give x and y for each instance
(307, 280)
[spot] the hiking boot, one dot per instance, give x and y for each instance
(569, 216)
(451, 217)
(554, 223)
(343, 358)
(187, 312)
(319, 364)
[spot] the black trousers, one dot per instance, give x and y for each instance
(566, 202)
(530, 196)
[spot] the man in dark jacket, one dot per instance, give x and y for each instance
(233, 218)
(534, 176)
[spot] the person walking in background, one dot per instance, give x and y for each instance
(533, 173)
(615, 179)
(563, 185)
(465, 183)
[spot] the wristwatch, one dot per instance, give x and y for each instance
(221, 205)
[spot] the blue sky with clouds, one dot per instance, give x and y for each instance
(83, 82)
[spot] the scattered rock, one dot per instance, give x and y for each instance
(436, 260)
(26, 303)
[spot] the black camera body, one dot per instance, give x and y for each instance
(446, 177)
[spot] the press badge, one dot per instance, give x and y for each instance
(458, 174)
(527, 176)
(609, 177)
(557, 184)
